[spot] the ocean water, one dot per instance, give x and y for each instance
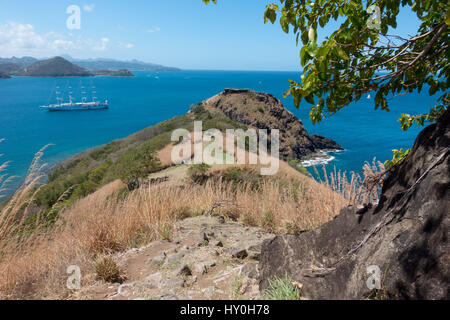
(151, 97)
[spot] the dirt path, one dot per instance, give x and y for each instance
(207, 258)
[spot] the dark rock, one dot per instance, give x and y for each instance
(217, 243)
(408, 235)
(254, 255)
(323, 143)
(235, 91)
(239, 254)
(183, 270)
(204, 240)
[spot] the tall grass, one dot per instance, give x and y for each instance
(15, 210)
(102, 224)
(357, 188)
(112, 220)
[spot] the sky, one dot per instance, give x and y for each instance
(178, 33)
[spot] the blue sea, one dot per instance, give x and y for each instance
(151, 97)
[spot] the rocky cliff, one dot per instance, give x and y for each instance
(405, 236)
(264, 111)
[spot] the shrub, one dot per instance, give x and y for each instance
(296, 165)
(137, 163)
(107, 270)
(166, 233)
(242, 178)
(84, 189)
(282, 289)
(198, 173)
(268, 221)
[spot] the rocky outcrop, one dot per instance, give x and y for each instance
(404, 237)
(208, 257)
(264, 111)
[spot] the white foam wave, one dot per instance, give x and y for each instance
(322, 159)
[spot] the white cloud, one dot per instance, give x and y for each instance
(17, 39)
(22, 39)
(63, 45)
(89, 8)
(156, 29)
(126, 45)
(102, 45)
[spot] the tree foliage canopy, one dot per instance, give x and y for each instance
(361, 57)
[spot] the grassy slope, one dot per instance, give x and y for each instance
(88, 171)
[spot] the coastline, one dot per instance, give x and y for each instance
(321, 158)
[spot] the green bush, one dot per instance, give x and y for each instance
(108, 270)
(282, 289)
(136, 163)
(242, 177)
(84, 189)
(198, 173)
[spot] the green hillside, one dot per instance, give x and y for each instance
(55, 67)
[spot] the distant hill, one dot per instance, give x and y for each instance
(113, 73)
(55, 67)
(4, 75)
(9, 68)
(22, 62)
(111, 64)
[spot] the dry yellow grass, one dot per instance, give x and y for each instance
(98, 224)
(104, 222)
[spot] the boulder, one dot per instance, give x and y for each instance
(397, 249)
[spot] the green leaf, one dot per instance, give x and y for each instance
(341, 53)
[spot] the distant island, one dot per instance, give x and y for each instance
(113, 73)
(69, 67)
(111, 64)
(55, 67)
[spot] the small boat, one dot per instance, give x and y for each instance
(369, 97)
(76, 106)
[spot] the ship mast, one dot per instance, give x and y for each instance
(59, 100)
(83, 94)
(70, 94)
(94, 98)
